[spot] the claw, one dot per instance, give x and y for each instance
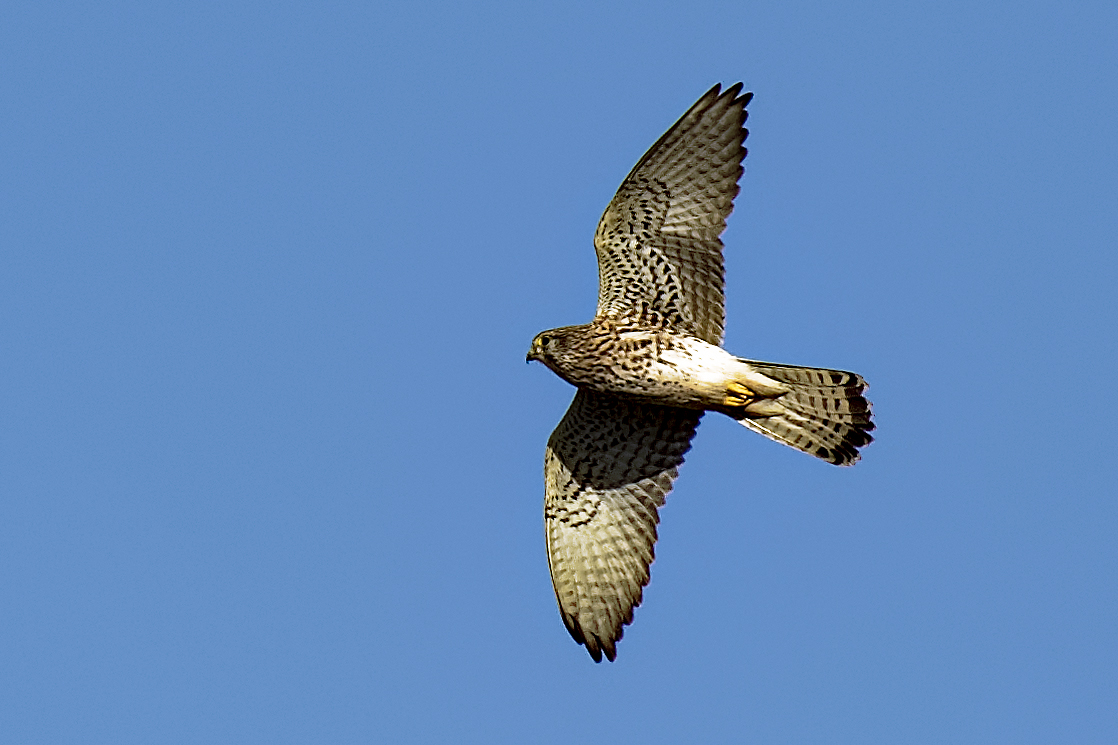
(738, 395)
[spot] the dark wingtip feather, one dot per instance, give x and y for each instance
(594, 645)
(737, 98)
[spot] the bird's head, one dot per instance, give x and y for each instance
(551, 346)
(541, 346)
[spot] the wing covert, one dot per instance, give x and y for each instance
(608, 467)
(658, 241)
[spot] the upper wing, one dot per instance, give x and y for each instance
(657, 242)
(609, 465)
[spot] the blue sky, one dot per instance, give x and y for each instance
(271, 457)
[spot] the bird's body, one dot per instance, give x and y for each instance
(647, 363)
(650, 364)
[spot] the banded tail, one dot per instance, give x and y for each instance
(823, 413)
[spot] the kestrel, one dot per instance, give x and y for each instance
(650, 364)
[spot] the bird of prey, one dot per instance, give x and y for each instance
(650, 364)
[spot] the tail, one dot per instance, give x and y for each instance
(822, 412)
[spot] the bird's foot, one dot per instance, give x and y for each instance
(738, 395)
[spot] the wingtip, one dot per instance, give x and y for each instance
(596, 646)
(602, 647)
(734, 93)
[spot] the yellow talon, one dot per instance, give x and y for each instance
(738, 395)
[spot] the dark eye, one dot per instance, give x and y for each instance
(545, 340)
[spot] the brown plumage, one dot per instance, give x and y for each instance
(650, 364)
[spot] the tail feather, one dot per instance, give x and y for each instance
(823, 413)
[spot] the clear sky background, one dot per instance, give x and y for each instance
(270, 457)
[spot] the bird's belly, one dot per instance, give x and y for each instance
(691, 376)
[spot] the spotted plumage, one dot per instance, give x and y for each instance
(650, 364)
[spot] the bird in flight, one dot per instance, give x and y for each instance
(651, 363)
